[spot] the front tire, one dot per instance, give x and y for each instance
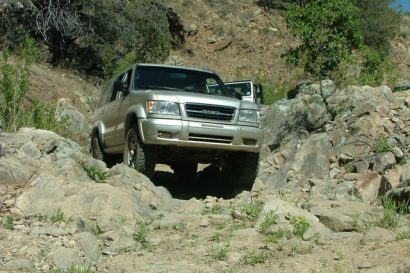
(137, 155)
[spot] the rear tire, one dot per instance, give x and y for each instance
(137, 155)
(241, 169)
(97, 152)
(96, 148)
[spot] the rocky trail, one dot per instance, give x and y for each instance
(330, 160)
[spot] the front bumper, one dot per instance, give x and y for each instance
(196, 134)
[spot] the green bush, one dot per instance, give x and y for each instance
(378, 23)
(382, 145)
(14, 84)
(376, 69)
(99, 176)
(17, 107)
(393, 212)
(269, 219)
(329, 34)
(8, 222)
(335, 34)
(141, 235)
(57, 216)
(300, 224)
(254, 258)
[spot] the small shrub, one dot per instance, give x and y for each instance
(219, 224)
(44, 116)
(219, 253)
(57, 216)
(214, 209)
(301, 249)
(274, 237)
(8, 222)
(14, 84)
(392, 213)
(382, 145)
(96, 230)
(250, 212)
(141, 234)
(403, 161)
(268, 220)
(300, 224)
(94, 173)
(216, 237)
(339, 256)
(254, 258)
(74, 269)
(220, 29)
(79, 269)
(405, 235)
(238, 224)
(362, 225)
(42, 217)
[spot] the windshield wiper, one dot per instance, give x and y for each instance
(159, 87)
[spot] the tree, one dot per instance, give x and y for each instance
(97, 35)
(379, 23)
(329, 34)
(126, 33)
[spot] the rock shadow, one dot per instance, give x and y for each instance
(207, 182)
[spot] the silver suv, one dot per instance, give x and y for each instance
(168, 114)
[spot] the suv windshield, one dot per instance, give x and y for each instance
(177, 79)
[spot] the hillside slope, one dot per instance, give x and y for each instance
(239, 39)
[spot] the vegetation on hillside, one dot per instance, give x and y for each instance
(346, 40)
(17, 107)
(338, 34)
(329, 33)
(93, 35)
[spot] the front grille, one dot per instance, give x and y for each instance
(210, 138)
(205, 111)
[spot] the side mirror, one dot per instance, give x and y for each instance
(120, 86)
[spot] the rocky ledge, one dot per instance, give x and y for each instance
(331, 196)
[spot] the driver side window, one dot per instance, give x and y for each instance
(125, 78)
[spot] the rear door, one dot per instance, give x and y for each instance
(111, 113)
(120, 110)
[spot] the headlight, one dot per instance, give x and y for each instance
(248, 115)
(162, 107)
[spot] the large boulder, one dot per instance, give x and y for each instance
(312, 157)
(54, 172)
(370, 185)
(341, 215)
(308, 111)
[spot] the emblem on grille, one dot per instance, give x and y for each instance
(210, 112)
